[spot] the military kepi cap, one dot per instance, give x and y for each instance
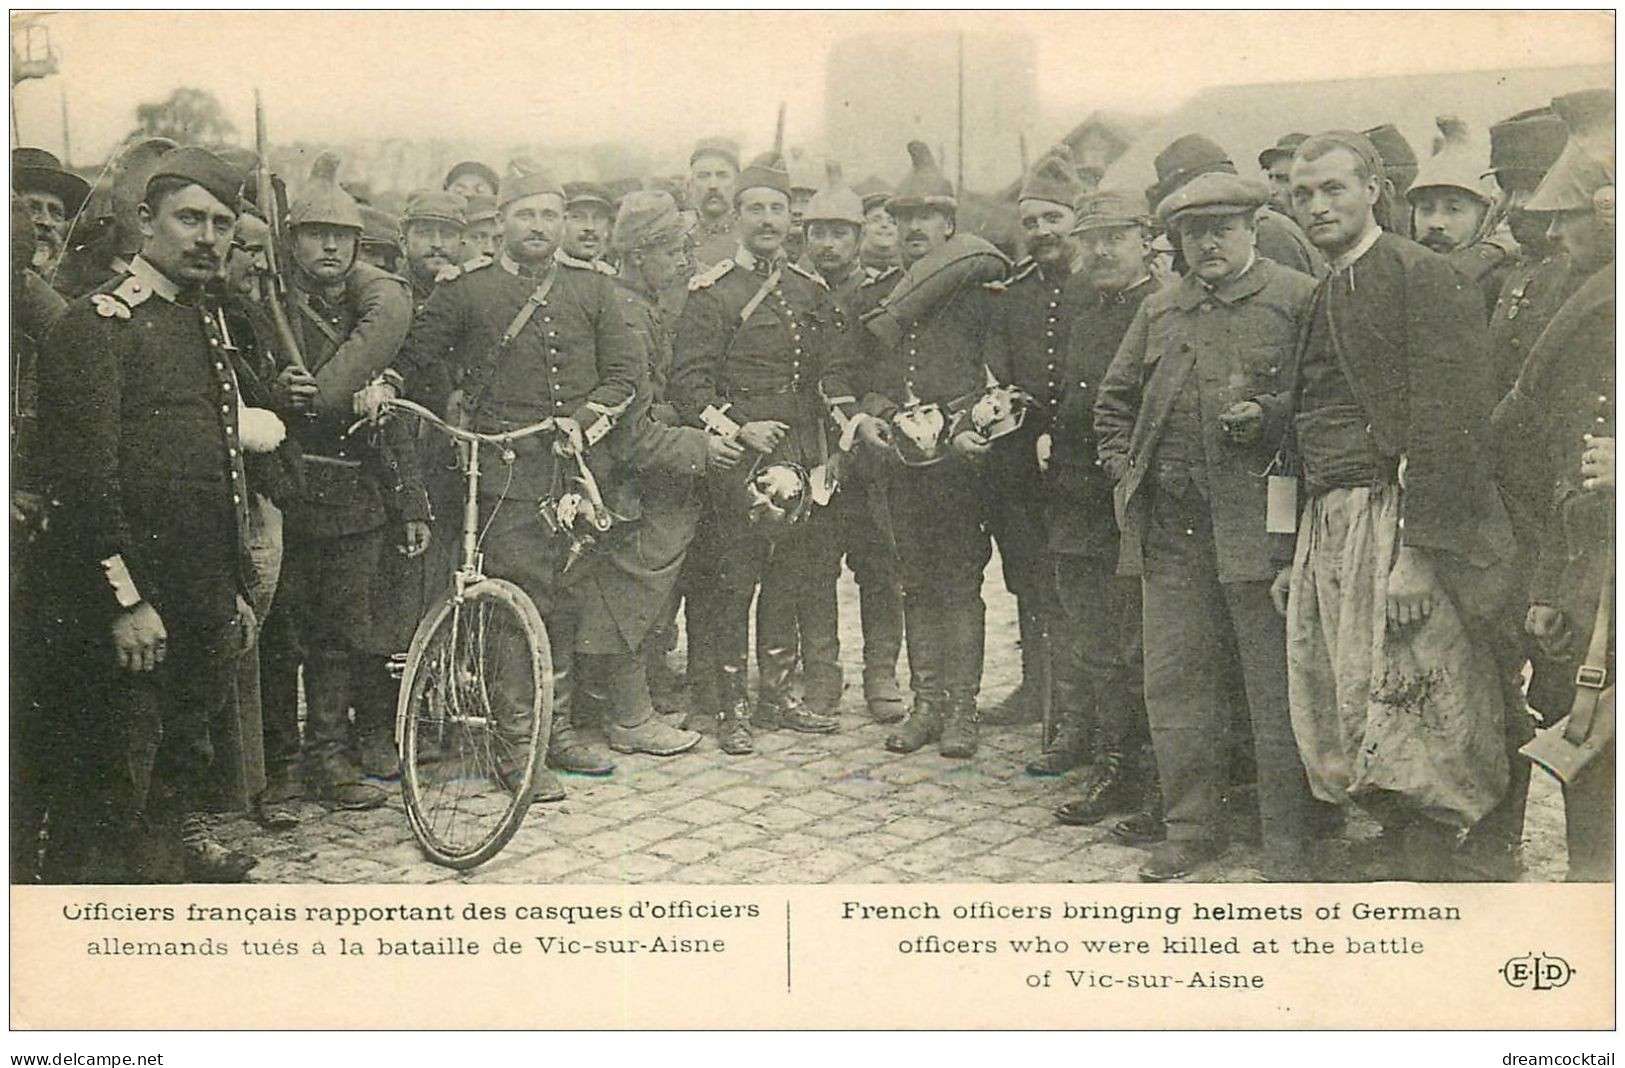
(1053, 178)
(436, 205)
(528, 184)
(1213, 194)
(201, 167)
(587, 193)
(1394, 154)
(767, 171)
(649, 217)
(716, 146)
(1285, 146)
(1108, 208)
(475, 168)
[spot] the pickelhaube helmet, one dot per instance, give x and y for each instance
(925, 185)
(1459, 163)
(920, 434)
(835, 202)
(323, 201)
(780, 494)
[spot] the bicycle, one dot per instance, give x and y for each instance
(476, 697)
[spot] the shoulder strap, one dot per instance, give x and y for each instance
(488, 367)
(761, 294)
(1592, 678)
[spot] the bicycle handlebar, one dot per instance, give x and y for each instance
(413, 408)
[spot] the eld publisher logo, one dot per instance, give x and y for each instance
(1537, 971)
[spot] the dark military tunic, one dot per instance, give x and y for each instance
(938, 511)
(753, 339)
(1026, 346)
(140, 406)
(572, 357)
(1530, 296)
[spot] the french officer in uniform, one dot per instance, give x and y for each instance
(751, 344)
(525, 338)
(1026, 347)
(145, 455)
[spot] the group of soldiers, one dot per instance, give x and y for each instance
(1290, 503)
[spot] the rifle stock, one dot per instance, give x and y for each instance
(277, 300)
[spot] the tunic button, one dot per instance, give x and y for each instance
(231, 451)
(1052, 304)
(214, 341)
(236, 499)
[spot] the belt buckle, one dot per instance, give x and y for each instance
(1591, 677)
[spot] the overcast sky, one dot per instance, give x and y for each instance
(664, 78)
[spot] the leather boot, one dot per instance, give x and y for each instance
(880, 608)
(567, 749)
(781, 704)
(634, 727)
(1069, 746)
(923, 726)
(959, 734)
(733, 718)
(1104, 791)
(376, 692)
(883, 696)
(336, 778)
(1025, 702)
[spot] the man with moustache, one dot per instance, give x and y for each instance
(105, 248)
(527, 338)
(921, 345)
(1280, 238)
(713, 168)
(1403, 549)
(1187, 418)
(431, 231)
(1026, 345)
(751, 342)
(1522, 149)
(54, 196)
(1096, 646)
(589, 218)
(858, 513)
(1555, 432)
(1538, 281)
(362, 499)
(145, 455)
(1455, 212)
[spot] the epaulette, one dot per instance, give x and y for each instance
(880, 276)
(808, 275)
(707, 279)
(129, 294)
(454, 271)
(580, 264)
(1020, 271)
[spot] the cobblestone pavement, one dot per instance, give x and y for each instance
(803, 809)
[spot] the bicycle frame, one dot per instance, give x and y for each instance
(472, 568)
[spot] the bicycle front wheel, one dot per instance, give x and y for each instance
(475, 710)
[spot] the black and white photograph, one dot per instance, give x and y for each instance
(784, 448)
